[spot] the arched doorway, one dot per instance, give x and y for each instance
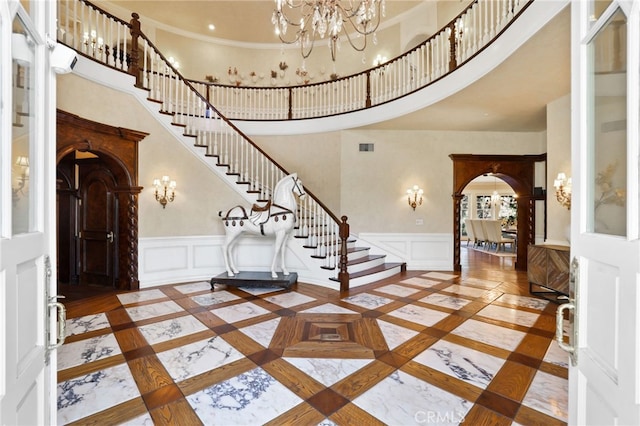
(519, 172)
(97, 175)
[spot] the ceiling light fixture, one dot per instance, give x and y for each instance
(320, 18)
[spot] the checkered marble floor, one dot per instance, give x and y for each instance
(424, 348)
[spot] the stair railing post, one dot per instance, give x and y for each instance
(452, 47)
(290, 114)
(343, 275)
(134, 68)
(368, 100)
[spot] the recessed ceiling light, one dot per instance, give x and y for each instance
(212, 27)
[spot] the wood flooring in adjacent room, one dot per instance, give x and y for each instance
(419, 348)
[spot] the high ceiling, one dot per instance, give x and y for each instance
(513, 97)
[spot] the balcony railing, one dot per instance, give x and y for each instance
(460, 40)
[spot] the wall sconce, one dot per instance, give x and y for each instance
(563, 190)
(165, 190)
(23, 162)
(414, 196)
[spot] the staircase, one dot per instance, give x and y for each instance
(333, 255)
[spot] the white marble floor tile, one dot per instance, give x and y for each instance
(262, 332)
(88, 350)
(420, 282)
(524, 301)
(287, 300)
(366, 300)
(513, 316)
(328, 308)
(140, 296)
(257, 291)
(327, 422)
(478, 282)
(171, 328)
(326, 370)
(439, 276)
(557, 356)
(445, 300)
(548, 394)
(490, 334)
(464, 291)
(242, 311)
(397, 290)
(193, 287)
(138, 313)
(419, 315)
(247, 399)
(197, 357)
(401, 399)
(395, 335)
(87, 323)
(88, 394)
(469, 365)
(214, 298)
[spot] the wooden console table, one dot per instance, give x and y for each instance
(548, 270)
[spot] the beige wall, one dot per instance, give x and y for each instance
(374, 183)
(316, 159)
(558, 160)
(200, 194)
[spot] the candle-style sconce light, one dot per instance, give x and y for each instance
(165, 190)
(414, 196)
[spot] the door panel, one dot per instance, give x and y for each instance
(604, 376)
(97, 217)
(27, 379)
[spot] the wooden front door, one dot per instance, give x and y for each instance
(104, 221)
(98, 224)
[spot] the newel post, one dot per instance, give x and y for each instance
(343, 275)
(134, 68)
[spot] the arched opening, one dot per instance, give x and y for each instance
(519, 172)
(97, 179)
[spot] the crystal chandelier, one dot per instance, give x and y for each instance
(319, 18)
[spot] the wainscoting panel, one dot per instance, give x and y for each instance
(169, 260)
(432, 252)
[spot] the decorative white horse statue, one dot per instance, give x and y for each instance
(277, 217)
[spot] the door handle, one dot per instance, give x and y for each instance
(62, 321)
(110, 236)
(573, 318)
(52, 303)
(559, 322)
